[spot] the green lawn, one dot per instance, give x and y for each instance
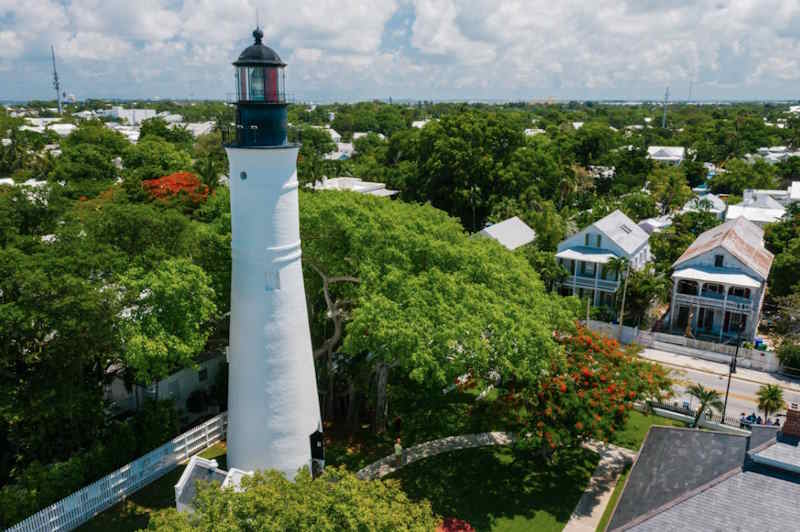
(637, 427)
(134, 513)
(500, 489)
(601, 526)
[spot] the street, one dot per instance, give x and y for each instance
(745, 383)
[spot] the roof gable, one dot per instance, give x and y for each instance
(741, 238)
(623, 231)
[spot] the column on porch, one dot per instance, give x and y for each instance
(575, 278)
(596, 277)
(697, 307)
(724, 309)
(674, 308)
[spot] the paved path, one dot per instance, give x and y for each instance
(592, 504)
(387, 465)
(595, 498)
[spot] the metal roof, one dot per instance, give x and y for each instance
(740, 237)
(716, 275)
(511, 233)
(754, 214)
(586, 254)
(622, 231)
(694, 204)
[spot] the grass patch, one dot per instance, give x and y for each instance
(500, 488)
(601, 526)
(636, 429)
(134, 513)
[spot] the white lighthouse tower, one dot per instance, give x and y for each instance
(273, 409)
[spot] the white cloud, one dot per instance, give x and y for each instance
(339, 48)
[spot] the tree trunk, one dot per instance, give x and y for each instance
(330, 403)
(352, 407)
(380, 399)
(697, 416)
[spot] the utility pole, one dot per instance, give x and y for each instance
(731, 371)
(56, 84)
(664, 118)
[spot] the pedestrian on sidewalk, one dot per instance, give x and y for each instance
(398, 453)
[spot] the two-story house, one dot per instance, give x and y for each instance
(719, 282)
(586, 256)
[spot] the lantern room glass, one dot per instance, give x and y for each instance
(260, 84)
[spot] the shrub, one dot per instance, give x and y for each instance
(789, 355)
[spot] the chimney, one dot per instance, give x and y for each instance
(791, 426)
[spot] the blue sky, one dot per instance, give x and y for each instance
(423, 49)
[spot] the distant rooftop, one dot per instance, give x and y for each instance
(354, 184)
(511, 233)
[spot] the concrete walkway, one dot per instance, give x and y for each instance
(592, 504)
(595, 498)
(387, 465)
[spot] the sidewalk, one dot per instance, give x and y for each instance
(595, 498)
(716, 368)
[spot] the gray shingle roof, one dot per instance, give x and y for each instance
(622, 231)
(740, 237)
(671, 464)
(747, 501)
(783, 454)
(511, 233)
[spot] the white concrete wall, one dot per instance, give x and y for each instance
(272, 396)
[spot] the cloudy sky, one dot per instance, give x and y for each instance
(440, 49)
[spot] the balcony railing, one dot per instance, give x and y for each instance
(714, 300)
(580, 281)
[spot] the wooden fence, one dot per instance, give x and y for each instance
(76, 509)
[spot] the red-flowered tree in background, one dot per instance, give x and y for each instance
(178, 185)
(588, 393)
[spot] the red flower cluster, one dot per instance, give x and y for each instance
(452, 524)
(175, 184)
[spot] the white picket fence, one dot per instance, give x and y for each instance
(76, 509)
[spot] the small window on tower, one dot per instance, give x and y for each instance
(272, 281)
(243, 175)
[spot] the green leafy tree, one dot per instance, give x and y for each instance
(96, 134)
(668, 186)
(158, 127)
(707, 397)
(153, 157)
(740, 175)
(163, 325)
(789, 355)
(311, 163)
(84, 162)
(639, 206)
(337, 501)
(770, 399)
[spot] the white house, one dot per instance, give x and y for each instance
(667, 154)
(419, 124)
(335, 136)
(198, 128)
(719, 282)
(657, 224)
(360, 134)
(511, 233)
(131, 116)
(532, 132)
(587, 253)
(708, 202)
(343, 152)
(354, 184)
(200, 468)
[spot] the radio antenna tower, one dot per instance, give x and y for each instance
(56, 84)
(664, 118)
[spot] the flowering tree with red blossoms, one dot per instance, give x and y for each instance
(178, 185)
(587, 393)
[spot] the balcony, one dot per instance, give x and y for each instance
(716, 300)
(584, 281)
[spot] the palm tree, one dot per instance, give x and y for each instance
(708, 399)
(770, 399)
(620, 266)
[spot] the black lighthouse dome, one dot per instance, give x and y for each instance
(258, 53)
(261, 112)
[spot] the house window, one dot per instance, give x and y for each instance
(586, 239)
(719, 260)
(202, 375)
(599, 240)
